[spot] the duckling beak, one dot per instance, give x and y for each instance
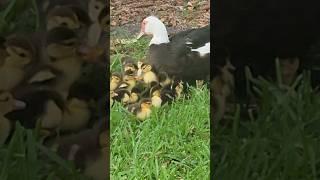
(140, 35)
(90, 54)
(19, 104)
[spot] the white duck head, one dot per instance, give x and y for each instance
(153, 26)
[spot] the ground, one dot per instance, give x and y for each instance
(177, 15)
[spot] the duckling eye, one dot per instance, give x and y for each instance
(53, 59)
(96, 7)
(5, 99)
(64, 24)
(22, 55)
(69, 44)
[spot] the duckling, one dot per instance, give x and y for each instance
(115, 80)
(178, 87)
(142, 109)
(139, 64)
(19, 56)
(94, 8)
(134, 95)
(87, 149)
(62, 17)
(164, 79)
(45, 109)
(147, 74)
(104, 19)
(47, 5)
(172, 91)
(97, 168)
(131, 80)
(62, 47)
(77, 111)
(129, 66)
(112, 96)
(97, 10)
(3, 52)
(71, 17)
(7, 104)
(76, 115)
(122, 95)
(155, 94)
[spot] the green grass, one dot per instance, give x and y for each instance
(281, 142)
(172, 144)
(26, 158)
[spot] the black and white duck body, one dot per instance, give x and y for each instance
(185, 55)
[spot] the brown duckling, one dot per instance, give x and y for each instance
(178, 87)
(87, 150)
(136, 93)
(147, 74)
(164, 79)
(44, 109)
(7, 104)
(71, 17)
(172, 92)
(129, 66)
(155, 94)
(122, 94)
(20, 55)
(115, 80)
(142, 109)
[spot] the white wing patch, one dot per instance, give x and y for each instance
(203, 50)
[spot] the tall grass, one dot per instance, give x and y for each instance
(280, 142)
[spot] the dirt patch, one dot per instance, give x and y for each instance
(177, 15)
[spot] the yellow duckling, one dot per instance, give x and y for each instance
(115, 81)
(155, 94)
(20, 53)
(131, 80)
(147, 74)
(141, 110)
(7, 104)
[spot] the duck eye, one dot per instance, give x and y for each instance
(96, 7)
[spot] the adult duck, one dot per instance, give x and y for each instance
(185, 55)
